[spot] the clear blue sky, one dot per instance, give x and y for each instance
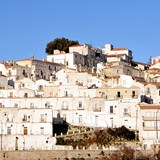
(26, 26)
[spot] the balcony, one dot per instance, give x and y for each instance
(118, 97)
(41, 120)
(9, 120)
(150, 128)
(97, 109)
(134, 96)
(80, 107)
(64, 107)
(111, 112)
(24, 120)
(147, 93)
(126, 114)
(149, 118)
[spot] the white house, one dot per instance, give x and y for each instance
(148, 120)
(117, 54)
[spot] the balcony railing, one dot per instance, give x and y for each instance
(149, 118)
(150, 128)
(126, 114)
(42, 120)
(80, 107)
(118, 97)
(134, 96)
(111, 112)
(24, 120)
(97, 109)
(147, 92)
(64, 107)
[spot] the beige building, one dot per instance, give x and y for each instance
(121, 92)
(17, 72)
(40, 68)
(3, 81)
(120, 68)
(148, 121)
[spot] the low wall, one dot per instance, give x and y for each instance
(52, 155)
(49, 155)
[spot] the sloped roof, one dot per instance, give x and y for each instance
(149, 106)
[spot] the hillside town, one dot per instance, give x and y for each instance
(93, 87)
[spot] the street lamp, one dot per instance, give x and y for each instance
(157, 125)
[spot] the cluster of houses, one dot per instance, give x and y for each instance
(96, 87)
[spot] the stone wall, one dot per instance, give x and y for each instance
(49, 155)
(53, 155)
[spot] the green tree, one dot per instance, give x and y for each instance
(61, 44)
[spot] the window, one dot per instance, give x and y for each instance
(64, 105)
(128, 72)
(133, 93)
(9, 73)
(11, 94)
(96, 120)
(42, 118)
(8, 130)
(32, 105)
(40, 88)
(66, 93)
(96, 106)
(25, 131)
(23, 73)
(24, 118)
(147, 114)
(80, 105)
(118, 94)
(111, 109)
(125, 111)
(42, 130)
(148, 90)
(25, 95)
(80, 118)
(143, 124)
(103, 93)
(9, 117)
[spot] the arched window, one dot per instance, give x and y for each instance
(148, 90)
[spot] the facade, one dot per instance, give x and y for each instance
(148, 119)
(117, 54)
(80, 88)
(40, 68)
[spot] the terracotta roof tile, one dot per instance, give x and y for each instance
(118, 49)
